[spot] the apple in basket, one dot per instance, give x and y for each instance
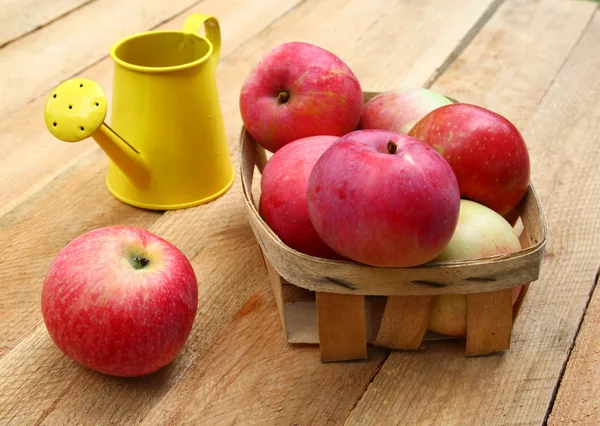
(399, 110)
(120, 300)
(383, 199)
(486, 152)
(480, 232)
(283, 204)
(299, 90)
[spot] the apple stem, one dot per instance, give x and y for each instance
(139, 262)
(282, 97)
(392, 147)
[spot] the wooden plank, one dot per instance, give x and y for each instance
(250, 376)
(404, 322)
(342, 327)
(30, 157)
(516, 387)
(578, 398)
(20, 17)
(489, 322)
(222, 223)
(518, 52)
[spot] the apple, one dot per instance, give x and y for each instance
(283, 203)
(383, 199)
(299, 90)
(480, 232)
(399, 110)
(486, 152)
(120, 300)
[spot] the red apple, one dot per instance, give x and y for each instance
(480, 232)
(283, 203)
(120, 300)
(383, 199)
(485, 150)
(399, 110)
(299, 90)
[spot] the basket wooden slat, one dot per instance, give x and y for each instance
(489, 322)
(341, 325)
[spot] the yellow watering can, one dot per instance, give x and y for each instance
(166, 143)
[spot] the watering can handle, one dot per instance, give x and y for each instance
(194, 23)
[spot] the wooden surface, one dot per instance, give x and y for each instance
(536, 62)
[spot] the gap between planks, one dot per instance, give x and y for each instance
(550, 414)
(462, 45)
(15, 25)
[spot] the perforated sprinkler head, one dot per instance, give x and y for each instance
(75, 110)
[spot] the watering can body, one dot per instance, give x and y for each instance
(166, 140)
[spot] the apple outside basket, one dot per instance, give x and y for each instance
(343, 305)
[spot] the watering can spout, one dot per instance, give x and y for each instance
(76, 110)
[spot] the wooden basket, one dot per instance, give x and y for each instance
(343, 305)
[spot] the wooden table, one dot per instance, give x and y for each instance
(536, 62)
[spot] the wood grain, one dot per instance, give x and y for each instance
(404, 322)
(489, 322)
(251, 377)
(516, 387)
(342, 327)
(518, 51)
(20, 17)
(29, 156)
(578, 398)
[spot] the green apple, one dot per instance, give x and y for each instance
(480, 232)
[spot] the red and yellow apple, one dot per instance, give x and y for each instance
(283, 204)
(480, 232)
(120, 300)
(299, 90)
(486, 152)
(383, 199)
(399, 110)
